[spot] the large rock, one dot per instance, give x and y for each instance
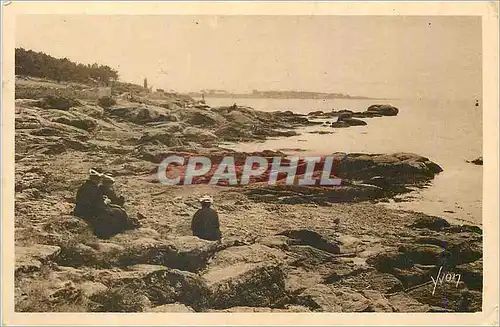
(402, 302)
(370, 280)
(379, 302)
(329, 298)
(201, 117)
(74, 254)
(74, 119)
(69, 291)
(387, 261)
(90, 110)
(472, 301)
(198, 135)
(299, 279)
(186, 252)
(309, 257)
(477, 161)
(57, 102)
(233, 132)
(430, 222)
(276, 241)
(383, 109)
(174, 307)
(415, 275)
(397, 168)
(140, 114)
(340, 124)
(425, 254)
(307, 237)
(239, 117)
(288, 308)
(354, 122)
(472, 274)
(130, 235)
(164, 286)
(462, 248)
(68, 225)
(465, 228)
(120, 299)
(29, 259)
(254, 253)
(255, 285)
(447, 295)
(160, 137)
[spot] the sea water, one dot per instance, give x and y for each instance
(448, 132)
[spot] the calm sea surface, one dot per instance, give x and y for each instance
(448, 132)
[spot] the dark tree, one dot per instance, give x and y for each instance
(39, 64)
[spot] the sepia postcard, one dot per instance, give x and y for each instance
(250, 163)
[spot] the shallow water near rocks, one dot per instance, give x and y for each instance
(448, 132)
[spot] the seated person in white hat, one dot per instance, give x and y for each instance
(105, 218)
(89, 200)
(205, 223)
(108, 189)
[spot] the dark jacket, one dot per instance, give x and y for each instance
(205, 224)
(109, 191)
(89, 201)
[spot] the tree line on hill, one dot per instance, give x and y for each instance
(39, 64)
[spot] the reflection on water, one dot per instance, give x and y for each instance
(448, 132)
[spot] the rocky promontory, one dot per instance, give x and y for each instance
(285, 248)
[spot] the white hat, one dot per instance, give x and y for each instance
(93, 172)
(206, 198)
(108, 178)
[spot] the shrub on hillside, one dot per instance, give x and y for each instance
(106, 102)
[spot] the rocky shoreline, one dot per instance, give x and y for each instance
(285, 248)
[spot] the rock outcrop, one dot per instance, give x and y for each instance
(383, 109)
(285, 248)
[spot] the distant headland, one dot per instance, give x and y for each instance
(278, 95)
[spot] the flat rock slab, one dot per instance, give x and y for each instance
(31, 258)
(276, 241)
(372, 280)
(298, 279)
(291, 308)
(309, 257)
(426, 254)
(430, 222)
(445, 295)
(188, 253)
(389, 260)
(463, 247)
(402, 302)
(329, 298)
(174, 307)
(245, 284)
(311, 238)
(379, 302)
(254, 253)
(78, 255)
(416, 275)
(163, 285)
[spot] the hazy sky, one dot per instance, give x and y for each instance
(373, 56)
